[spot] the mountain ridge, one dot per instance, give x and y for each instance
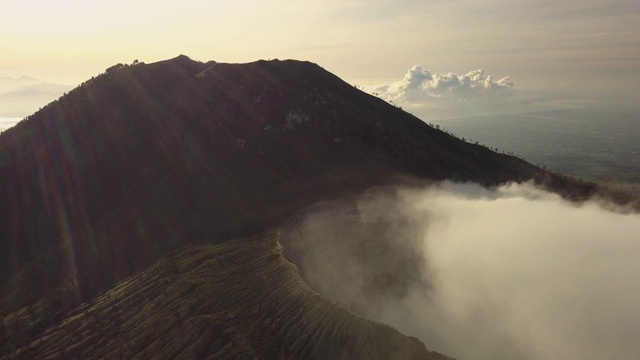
(146, 158)
(192, 304)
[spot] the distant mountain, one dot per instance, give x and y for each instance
(12, 84)
(24, 95)
(140, 161)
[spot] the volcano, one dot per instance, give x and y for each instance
(142, 212)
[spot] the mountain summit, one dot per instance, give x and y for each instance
(143, 159)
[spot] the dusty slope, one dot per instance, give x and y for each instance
(237, 300)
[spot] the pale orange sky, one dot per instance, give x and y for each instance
(542, 44)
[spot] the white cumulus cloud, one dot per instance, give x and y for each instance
(419, 85)
(434, 96)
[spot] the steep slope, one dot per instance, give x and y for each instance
(143, 159)
(236, 300)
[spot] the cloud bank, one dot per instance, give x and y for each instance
(509, 273)
(420, 85)
(435, 97)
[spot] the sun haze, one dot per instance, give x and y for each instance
(568, 44)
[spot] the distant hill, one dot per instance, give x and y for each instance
(599, 143)
(24, 95)
(12, 84)
(144, 159)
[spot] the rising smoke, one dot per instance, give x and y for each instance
(507, 273)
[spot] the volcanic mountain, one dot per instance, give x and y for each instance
(142, 212)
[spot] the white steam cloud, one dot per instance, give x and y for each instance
(420, 85)
(509, 273)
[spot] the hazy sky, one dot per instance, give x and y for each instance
(572, 43)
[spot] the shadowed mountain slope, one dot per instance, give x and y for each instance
(143, 159)
(237, 300)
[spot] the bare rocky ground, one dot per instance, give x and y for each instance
(237, 300)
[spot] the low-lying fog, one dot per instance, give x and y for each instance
(508, 273)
